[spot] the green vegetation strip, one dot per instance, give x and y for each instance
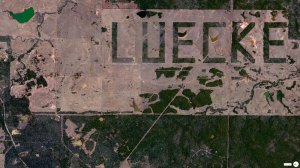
(24, 16)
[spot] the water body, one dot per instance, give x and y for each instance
(24, 16)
